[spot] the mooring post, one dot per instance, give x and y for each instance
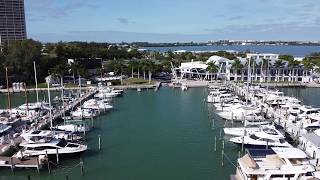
(99, 139)
(92, 122)
(242, 145)
(215, 143)
(239, 154)
(67, 178)
(38, 165)
(231, 119)
(57, 155)
(48, 163)
(81, 167)
(11, 162)
(222, 154)
(28, 177)
(220, 133)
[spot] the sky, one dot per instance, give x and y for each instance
(172, 20)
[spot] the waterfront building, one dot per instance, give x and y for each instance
(12, 20)
(268, 56)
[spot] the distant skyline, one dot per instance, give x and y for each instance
(172, 20)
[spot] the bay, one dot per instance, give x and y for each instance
(297, 51)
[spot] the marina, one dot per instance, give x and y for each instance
(193, 139)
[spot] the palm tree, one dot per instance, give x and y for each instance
(132, 65)
(212, 68)
(278, 64)
(237, 65)
(144, 67)
(151, 67)
(307, 64)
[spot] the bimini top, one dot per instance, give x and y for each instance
(289, 153)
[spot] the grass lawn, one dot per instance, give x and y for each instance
(133, 81)
(44, 85)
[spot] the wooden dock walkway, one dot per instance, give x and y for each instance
(26, 162)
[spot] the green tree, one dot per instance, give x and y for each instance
(212, 68)
(279, 64)
(237, 65)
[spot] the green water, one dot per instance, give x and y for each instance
(167, 134)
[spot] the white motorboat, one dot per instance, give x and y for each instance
(81, 113)
(50, 148)
(266, 137)
(218, 97)
(96, 105)
(73, 127)
(274, 164)
(241, 131)
(241, 113)
(184, 87)
(34, 136)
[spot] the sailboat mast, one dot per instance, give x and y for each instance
(49, 99)
(36, 80)
(8, 92)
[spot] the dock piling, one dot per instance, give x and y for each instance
(222, 154)
(81, 167)
(38, 165)
(48, 163)
(12, 166)
(99, 139)
(57, 155)
(215, 143)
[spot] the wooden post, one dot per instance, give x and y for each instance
(231, 119)
(242, 144)
(267, 146)
(92, 122)
(11, 162)
(239, 154)
(222, 154)
(57, 155)
(38, 165)
(48, 163)
(215, 143)
(81, 167)
(220, 133)
(28, 177)
(99, 138)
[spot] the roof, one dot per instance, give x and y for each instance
(218, 59)
(193, 64)
(313, 138)
(289, 153)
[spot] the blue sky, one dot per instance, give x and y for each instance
(172, 20)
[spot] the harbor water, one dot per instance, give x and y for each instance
(168, 134)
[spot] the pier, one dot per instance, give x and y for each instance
(27, 162)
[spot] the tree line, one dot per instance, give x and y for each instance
(52, 59)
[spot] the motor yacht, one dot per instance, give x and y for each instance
(96, 105)
(73, 127)
(50, 148)
(241, 131)
(264, 138)
(274, 164)
(81, 113)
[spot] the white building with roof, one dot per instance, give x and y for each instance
(269, 56)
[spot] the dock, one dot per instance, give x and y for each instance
(27, 162)
(155, 86)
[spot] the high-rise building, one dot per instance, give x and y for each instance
(12, 20)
